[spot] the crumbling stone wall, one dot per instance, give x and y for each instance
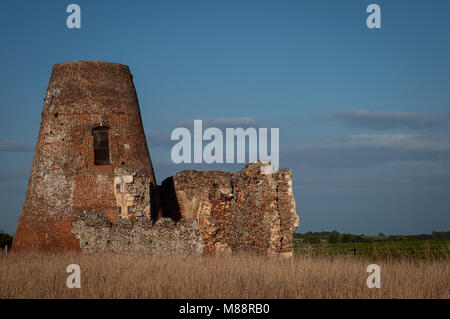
(208, 212)
(96, 234)
(243, 211)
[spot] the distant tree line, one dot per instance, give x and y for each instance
(5, 240)
(336, 237)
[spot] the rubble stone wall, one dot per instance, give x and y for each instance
(96, 234)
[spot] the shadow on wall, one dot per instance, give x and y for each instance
(169, 201)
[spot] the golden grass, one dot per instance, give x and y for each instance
(139, 276)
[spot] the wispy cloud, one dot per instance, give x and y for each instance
(156, 138)
(222, 122)
(391, 120)
(366, 150)
(400, 142)
(6, 146)
(161, 138)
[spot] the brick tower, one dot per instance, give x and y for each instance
(91, 155)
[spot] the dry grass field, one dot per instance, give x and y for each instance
(138, 276)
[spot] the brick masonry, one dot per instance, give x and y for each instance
(64, 179)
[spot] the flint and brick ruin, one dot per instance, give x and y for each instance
(92, 187)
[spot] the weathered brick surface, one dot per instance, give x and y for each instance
(243, 211)
(64, 180)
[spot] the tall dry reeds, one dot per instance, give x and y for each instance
(241, 276)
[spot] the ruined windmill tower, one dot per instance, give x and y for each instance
(91, 154)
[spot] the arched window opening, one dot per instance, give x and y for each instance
(101, 146)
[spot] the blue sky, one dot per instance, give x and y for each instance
(363, 114)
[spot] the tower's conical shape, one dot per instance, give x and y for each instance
(91, 154)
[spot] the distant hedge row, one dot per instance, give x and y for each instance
(335, 237)
(5, 240)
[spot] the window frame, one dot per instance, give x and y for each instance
(98, 139)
